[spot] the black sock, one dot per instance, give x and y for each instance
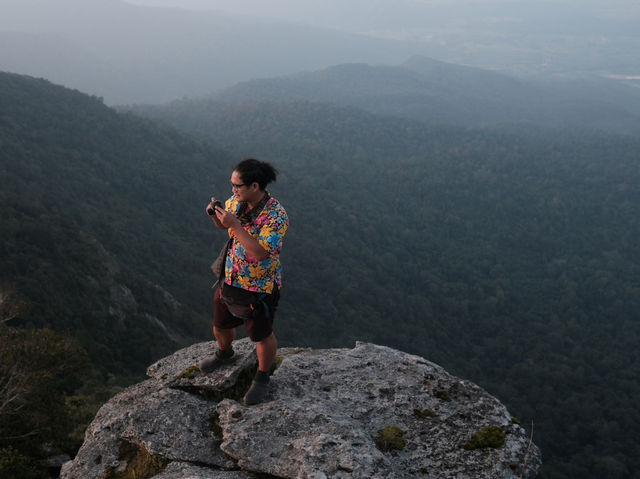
(261, 376)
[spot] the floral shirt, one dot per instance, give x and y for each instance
(241, 268)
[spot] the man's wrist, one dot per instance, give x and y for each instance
(236, 226)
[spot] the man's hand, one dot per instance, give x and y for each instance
(210, 208)
(214, 216)
(227, 219)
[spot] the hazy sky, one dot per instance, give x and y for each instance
(116, 50)
(394, 14)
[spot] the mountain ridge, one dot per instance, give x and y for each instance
(442, 93)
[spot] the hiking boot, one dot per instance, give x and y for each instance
(257, 393)
(213, 362)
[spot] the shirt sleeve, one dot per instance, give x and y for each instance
(273, 230)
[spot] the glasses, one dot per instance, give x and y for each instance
(237, 187)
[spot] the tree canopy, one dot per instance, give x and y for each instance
(508, 256)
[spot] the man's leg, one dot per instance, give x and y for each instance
(224, 330)
(266, 350)
(260, 329)
(224, 337)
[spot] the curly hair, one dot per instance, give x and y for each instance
(252, 170)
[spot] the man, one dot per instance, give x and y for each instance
(250, 282)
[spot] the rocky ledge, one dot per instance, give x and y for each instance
(366, 412)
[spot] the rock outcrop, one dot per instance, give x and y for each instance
(366, 412)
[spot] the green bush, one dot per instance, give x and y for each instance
(14, 465)
(390, 438)
(490, 436)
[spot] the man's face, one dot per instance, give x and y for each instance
(243, 192)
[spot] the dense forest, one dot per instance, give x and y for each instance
(97, 219)
(508, 256)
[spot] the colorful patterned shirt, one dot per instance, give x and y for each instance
(244, 270)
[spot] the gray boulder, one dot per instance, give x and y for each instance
(366, 412)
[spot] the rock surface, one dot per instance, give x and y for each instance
(325, 416)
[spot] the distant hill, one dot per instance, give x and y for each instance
(98, 217)
(442, 93)
(133, 54)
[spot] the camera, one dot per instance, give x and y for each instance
(212, 211)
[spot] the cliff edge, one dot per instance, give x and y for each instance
(366, 412)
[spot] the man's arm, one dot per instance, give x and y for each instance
(229, 220)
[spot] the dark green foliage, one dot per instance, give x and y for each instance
(490, 436)
(138, 188)
(39, 371)
(510, 257)
(390, 438)
(69, 282)
(14, 465)
(96, 218)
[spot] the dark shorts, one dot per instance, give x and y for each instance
(258, 327)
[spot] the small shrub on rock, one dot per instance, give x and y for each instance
(490, 436)
(390, 438)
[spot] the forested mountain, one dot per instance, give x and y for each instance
(98, 212)
(509, 256)
(442, 93)
(112, 197)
